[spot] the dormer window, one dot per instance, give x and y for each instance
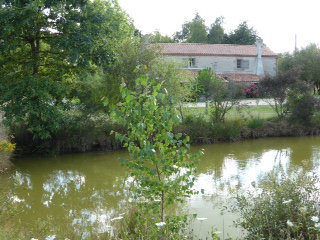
(242, 64)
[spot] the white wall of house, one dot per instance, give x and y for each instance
(270, 66)
(227, 65)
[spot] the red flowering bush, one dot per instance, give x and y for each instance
(251, 91)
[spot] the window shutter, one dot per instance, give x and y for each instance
(245, 64)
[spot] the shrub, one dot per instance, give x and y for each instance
(140, 223)
(283, 207)
(81, 133)
(316, 119)
(302, 108)
(251, 91)
(301, 103)
(6, 149)
(197, 128)
(277, 88)
(78, 133)
(256, 123)
(227, 131)
(223, 98)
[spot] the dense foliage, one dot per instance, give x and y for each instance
(308, 60)
(195, 31)
(46, 49)
(278, 87)
(216, 33)
(59, 60)
(281, 207)
(301, 103)
(243, 35)
(6, 149)
(291, 96)
(156, 37)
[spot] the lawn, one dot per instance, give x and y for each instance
(248, 112)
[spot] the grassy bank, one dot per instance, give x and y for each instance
(261, 112)
(241, 123)
(93, 133)
(202, 131)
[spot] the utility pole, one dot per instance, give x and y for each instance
(295, 44)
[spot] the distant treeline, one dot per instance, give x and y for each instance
(195, 31)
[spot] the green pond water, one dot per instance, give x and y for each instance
(89, 189)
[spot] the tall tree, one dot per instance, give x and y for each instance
(193, 32)
(45, 45)
(243, 35)
(216, 32)
(308, 60)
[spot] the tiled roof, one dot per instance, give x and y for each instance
(195, 73)
(249, 78)
(197, 49)
(241, 77)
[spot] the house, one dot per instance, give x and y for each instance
(238, 63)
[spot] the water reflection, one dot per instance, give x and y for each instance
(89, 189)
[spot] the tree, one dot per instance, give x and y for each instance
(278, 87)
(286, 61)
(308, 59)
(159, 160)
(203, 85)
(223, 98)
(216, 32)
(243, 35)
(193, 32)
(134, 58)
(177, 82)
(44, 47)
(156, 37)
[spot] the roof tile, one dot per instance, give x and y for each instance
(241, 77)
(198, 49)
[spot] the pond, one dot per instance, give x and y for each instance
(87, 189)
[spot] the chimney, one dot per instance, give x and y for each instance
(259, 70)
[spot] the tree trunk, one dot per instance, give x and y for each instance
(35, 52)
(180, 110)
(162, 206)
(207, 106)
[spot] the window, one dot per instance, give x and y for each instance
(242, 64)
(192, 62)
(189, 62)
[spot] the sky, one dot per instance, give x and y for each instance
(276, 21)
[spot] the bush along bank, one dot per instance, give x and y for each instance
(77, 136)
(94, 134)
(6, 150)
(205, 132)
